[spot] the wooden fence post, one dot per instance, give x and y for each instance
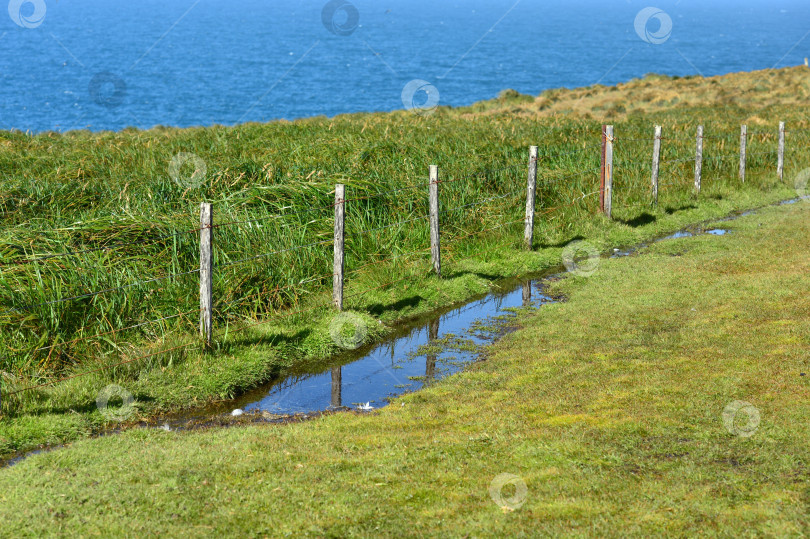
(608, 196)
(530, 197)
(656, 160)
(602, 171)
(435, 250)
(780, 166)
(340, 235)
(698, 158)
(743, 145)
(206, 272)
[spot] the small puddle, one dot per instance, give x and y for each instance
(679, 234)
(627, 251)
(12, 461)
(692, 233)
(618, 253)
(429, 351)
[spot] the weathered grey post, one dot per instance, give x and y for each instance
(435, 250)
(531, 189)
(780, 166)
(340, 217)
(743, 144)
(656, 160)
(608, 170)
(698, 158)
(602, 170)
(206, 272)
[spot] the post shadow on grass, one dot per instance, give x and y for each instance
(558, 245)
(487, 276)
(640, 220)
(274, 339)
(669, 210)
(378, 308)
(47, 410)
(85, 408)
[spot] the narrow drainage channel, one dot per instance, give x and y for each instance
(414, 357)
(428, 352)
(686, 233)
(690, 233)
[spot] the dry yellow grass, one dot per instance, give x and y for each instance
(788, 87)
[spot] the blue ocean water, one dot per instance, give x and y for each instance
(109, 64)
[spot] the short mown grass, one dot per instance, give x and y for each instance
(608, 406)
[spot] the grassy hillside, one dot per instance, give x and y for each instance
(105, 219)
(746, 97)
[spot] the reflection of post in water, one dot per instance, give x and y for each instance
(430, 366)
(337, 377)
(527, 293)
